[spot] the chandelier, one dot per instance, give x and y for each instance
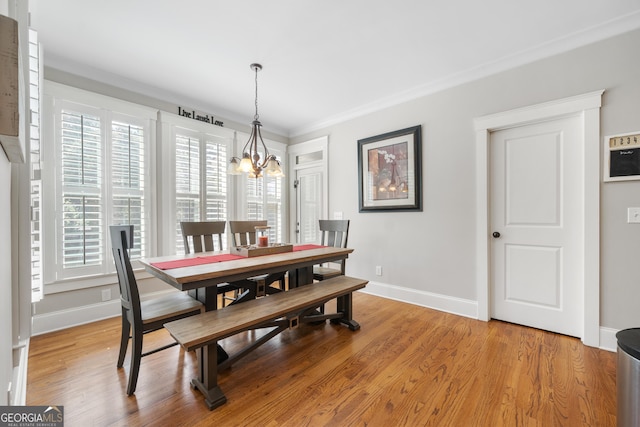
(253, 162)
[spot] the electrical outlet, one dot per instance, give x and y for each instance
(378, 270)
(337, 215)
(106, 294)
(633, 215)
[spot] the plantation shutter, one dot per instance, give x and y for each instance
(187, 183)
(263, 200)
(81, 165)
(128, 181)
(216, 180)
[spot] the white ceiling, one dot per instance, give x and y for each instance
(324, 60)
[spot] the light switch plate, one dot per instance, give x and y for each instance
(633, 215)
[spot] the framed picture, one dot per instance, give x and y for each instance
(389, 171)
(622, 157)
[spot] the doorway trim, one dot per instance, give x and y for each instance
(587, 106)
(320, 144)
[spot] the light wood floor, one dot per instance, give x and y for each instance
(406, 366)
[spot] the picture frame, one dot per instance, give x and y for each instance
(621, 161)
(390, 171)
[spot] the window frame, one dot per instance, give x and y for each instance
(160, 210)
(56, 98)
(170, 125)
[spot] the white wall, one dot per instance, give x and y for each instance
(432, 253)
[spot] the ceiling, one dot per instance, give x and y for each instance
(324, 61)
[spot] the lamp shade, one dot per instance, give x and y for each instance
(245, 164)
(234, 167)
(273, 168)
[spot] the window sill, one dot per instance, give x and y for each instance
(89, 282)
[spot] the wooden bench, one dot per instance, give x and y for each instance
(279, 311)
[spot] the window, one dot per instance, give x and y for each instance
(194, 181)
(102, 150)
(201, 178)
(195, 157)
(263, 197)
(263, 200)
(35, 74)
(108, 163)
(81, 160)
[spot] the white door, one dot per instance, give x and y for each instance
(537, 224)
(309, 204)
(308, 167)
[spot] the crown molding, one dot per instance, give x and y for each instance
(578, 39)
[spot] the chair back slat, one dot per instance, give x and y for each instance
(202, 236)
(121, 241)
(244, 232)
(335, 232)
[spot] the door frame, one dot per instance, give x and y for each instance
(587, 106)
(311, 146)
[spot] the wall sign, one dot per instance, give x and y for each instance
(202, 117)
(622, 157)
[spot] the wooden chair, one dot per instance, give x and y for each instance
(206, 236)
(333, 233)
(244, 233)
(139, 318)
(202, 236)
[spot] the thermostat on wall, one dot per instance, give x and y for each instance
(622, 157)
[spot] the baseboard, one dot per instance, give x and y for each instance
(458, 306)
(448, 304)
(63, 319)
(608, 340)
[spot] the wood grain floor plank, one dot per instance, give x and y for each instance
(406, 366)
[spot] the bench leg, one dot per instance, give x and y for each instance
(207, 381)
(344, 305)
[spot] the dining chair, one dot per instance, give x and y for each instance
(205, 236)
(334, 232)
(202, 236)
(244, 233)
(141, 317)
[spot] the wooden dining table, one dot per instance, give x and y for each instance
(206, 270)
(202, 272)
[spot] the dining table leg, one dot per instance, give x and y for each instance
(206, 295)
(300, 276)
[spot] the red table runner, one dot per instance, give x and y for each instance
(190, 262)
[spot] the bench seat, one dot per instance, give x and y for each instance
(279, 311)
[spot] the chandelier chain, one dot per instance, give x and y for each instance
(256, 116)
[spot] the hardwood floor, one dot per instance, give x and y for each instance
(406, 366)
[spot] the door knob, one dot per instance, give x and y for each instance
(496, 234)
